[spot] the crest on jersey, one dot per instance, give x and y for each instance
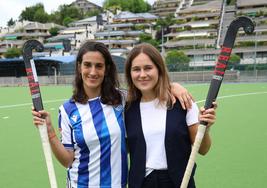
(74, 118)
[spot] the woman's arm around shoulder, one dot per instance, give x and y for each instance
(182, 94)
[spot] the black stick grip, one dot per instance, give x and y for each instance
(212, 95)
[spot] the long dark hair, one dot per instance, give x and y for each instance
(162, 88)
(109, 87)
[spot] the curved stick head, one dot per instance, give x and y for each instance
(244, 22)
(30, 45)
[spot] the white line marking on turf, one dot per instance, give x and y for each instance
(58, 100)
(6, 117)
(27, 104)
(236, 95)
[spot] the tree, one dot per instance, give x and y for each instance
(231, 2)
(147, 38)
(135, 6)
(10, 22)
(164, 23)
(41, 16)
(177, 60)
(67, 21)
(69, 14)
(234, 60)
(111, 3)
(34, 13)
(92, 13)
(64, 14)
(54, 31)
(12, 52)
(56, 18)
(138, 6)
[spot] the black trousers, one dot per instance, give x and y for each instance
(158, 179)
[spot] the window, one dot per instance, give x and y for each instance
(209, 57)
(261, 54)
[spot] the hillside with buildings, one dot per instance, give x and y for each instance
(198, 29)
(201, 27)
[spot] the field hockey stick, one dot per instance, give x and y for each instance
(38, 104)
(215, 84)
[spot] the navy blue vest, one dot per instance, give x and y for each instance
(177, 144)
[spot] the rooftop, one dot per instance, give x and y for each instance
(60, 37)
(59, 59)
(89, 20)
(40, 26)
(196, 24)
(182, 43)
(118, 33)
(119, 25)
(200, 15)
(246, 3)
(117, 41)
(191, 33)
(15, 35)
(129, 15)
(208, 7)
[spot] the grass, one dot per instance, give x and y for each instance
(238, 157)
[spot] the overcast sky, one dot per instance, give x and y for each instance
(12, 8)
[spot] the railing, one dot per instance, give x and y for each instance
(190, 76)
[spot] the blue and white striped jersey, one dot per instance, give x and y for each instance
(96, 134)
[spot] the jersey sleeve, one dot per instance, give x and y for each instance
(192, 115)
(65, 129)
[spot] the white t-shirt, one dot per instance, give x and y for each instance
(153, 116)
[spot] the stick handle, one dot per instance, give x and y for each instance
(191, 162)
(48, 155)
(216, 81)
(37, 102)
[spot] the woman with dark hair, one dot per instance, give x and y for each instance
(92, 144)
(159, 133)
(109, 85)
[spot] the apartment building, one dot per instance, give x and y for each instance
(195, 32)
(201, 28)
(253, 48)
(80, 30)
(86, 6)
(21, 32)
(123, 33)
(163, 8)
